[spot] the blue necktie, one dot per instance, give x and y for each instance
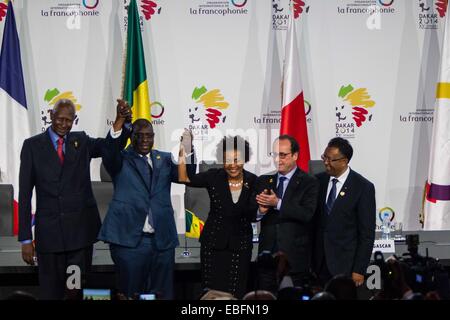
(279, 193)
(280, 187)
(331, 196)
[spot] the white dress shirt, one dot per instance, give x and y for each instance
(288, 177)
(341, 180)
(147, 226)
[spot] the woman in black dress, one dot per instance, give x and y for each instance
(226, 240)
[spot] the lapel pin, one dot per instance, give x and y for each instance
(271, 180)
(75, 144)
(342, 193)
(158, 157)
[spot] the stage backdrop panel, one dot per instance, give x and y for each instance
(368, 74)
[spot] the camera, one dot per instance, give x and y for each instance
(412, 241)
(422, 274)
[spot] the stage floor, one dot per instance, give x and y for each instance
(15, 274)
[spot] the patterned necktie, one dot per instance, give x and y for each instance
(331, 196)
(280, 188)
(59, 150)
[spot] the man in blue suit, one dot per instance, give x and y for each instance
(345, 217)
(139, 225)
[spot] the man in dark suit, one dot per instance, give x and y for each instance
(140, 225)
(345, 217)
(56, 163)
(287, 202)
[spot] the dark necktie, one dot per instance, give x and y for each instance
(148, 170)
(59, 150)
(331, 196)
(280, 187)
(150, 174)
(279, 193)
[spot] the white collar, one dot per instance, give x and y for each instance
(342, 177)
(287, 175)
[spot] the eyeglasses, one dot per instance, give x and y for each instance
(325, 158)
(281, 155)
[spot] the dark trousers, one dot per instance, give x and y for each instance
(144, 269)
(53, 274)
(323, 274)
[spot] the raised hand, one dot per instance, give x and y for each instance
(186, 141)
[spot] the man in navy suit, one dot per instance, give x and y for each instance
(346, 217)
(140, 225)
(287, 203)
(56, 163)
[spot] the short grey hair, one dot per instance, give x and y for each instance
(64, 102)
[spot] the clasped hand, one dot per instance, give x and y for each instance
(266, 199)
(186, 142)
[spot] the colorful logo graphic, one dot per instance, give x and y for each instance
(386, 212)
(50, 98)
(281, 13)
(441, 7)
(156, 109)
(357, 104)
(209, 107)
(307, 107)
(298, 8)
(90, 4)
(149, 8)
(3, 9)
(239, 3)
(385, 3)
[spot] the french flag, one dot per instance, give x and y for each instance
(14, 125)
(293, 118)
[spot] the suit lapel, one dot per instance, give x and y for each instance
(325, 179)
(71, 153)
(294, 182)
(225, 187)
(245, 188)
(69, 156)
(156, 166)
(272, 182)
(343, 193)
(138, 165)
(49, 149)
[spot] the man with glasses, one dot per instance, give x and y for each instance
(345, 217)
(287, 202)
